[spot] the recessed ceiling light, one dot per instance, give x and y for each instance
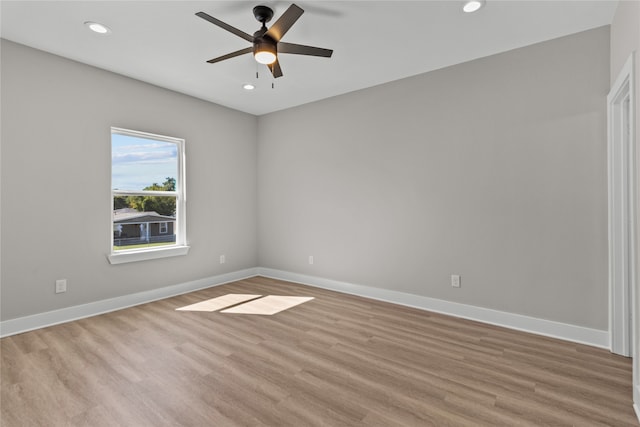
(473, 5)
(248, 86)
(97, 28)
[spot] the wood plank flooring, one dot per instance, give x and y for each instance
(337, 360)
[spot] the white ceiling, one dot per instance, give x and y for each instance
(164, 43)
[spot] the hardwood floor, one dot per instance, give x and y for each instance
(336, 360)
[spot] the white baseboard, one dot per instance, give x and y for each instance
(50, 318)
(534, 325)
(564, 331)
(636, 400)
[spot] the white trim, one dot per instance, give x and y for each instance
(147, 254)
(534, 325)
(144, 193)
(621, 176)
(636, 398)
(50, 318)
(564, 331)
(146, 135)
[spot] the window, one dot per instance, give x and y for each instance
(163, 228)
(148, 196)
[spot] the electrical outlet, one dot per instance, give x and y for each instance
(310, 259)
(61, 286)
(455, 280)
(223, 259)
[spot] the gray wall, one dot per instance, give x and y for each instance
(494, 169)
(56, 118)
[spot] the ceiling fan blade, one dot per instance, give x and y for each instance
(231, 55)
(225, 26)
(284, 23)
(275, 69)
(299, 49)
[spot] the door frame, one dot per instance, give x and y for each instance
(621, 162)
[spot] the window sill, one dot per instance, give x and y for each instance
(146, 254)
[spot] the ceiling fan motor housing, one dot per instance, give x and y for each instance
(265, 44)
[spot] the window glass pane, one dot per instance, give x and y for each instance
(153, 225)
(139, 163)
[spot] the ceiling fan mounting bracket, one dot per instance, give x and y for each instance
(263, 13)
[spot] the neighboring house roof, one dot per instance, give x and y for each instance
(132, 216)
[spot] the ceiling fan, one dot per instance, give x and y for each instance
(266, 41)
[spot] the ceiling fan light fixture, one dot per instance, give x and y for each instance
(265, 57)
(473, 6)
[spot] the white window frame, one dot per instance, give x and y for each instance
(180, 229)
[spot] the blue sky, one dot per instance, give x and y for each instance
(138, 162)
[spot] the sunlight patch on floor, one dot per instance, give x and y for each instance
(247, 304)
(268, 305)
(219, 303)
